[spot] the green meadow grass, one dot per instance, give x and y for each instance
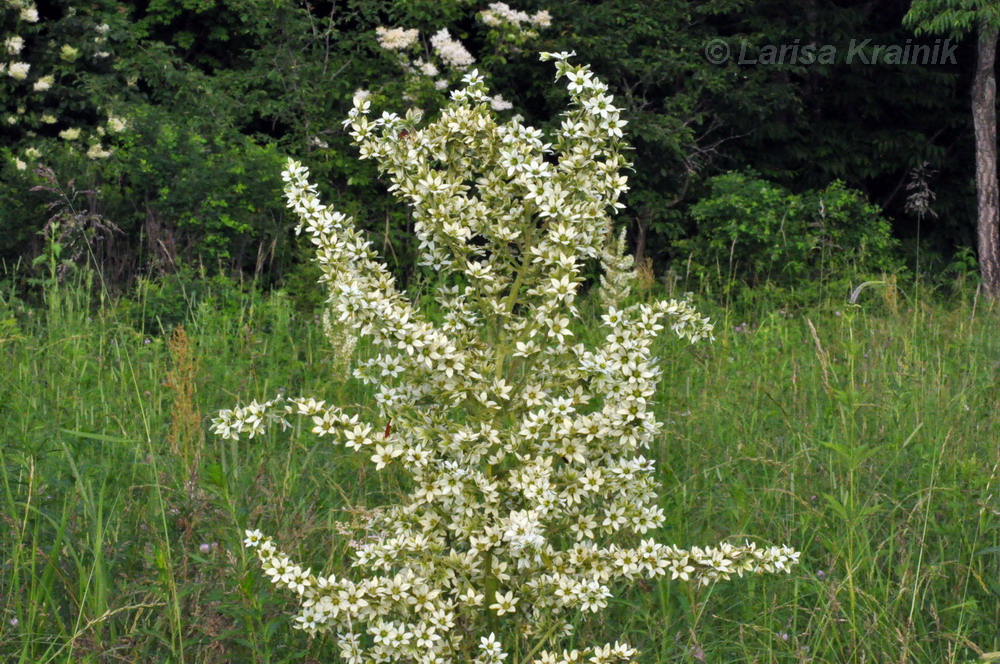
(866, 436)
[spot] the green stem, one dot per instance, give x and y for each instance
(512, 298)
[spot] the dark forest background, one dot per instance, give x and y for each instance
(778, 173)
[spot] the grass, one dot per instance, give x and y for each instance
(866, 436)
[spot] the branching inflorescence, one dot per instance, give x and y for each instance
(532, 493)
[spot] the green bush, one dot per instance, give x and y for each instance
(754, 232)
(212, 189)
(157, 305)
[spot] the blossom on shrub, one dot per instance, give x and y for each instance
(428, 67)
(14, 44)
(451, 51)
(116, 125)
(532, 492)
(498, 103)
(501, 14)
(18, 70)
(396, 39)
(69, 53)
(43, 84)
(97, 152)
(52, 57)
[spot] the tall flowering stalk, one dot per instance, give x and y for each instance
(532, 494)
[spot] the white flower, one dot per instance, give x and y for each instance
(451, 51)
(361, 95)
(44, 83)
(490, 650)
(427, 68)
(20, 165)
(500, 13)
(505, 603)
(396, 39)
(70, 134)
(384, 455)
(29, 14)
(18, 70)
(253, 538)
(116, 124)
(97, 152)
(542, 19)
(48, 118)
(500, 104)
(14, 44)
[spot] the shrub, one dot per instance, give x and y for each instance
(531, 492)
(159, 304)
(754, 231)
(61, 97)
(207, 191)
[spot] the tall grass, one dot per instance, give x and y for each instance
(865, 436)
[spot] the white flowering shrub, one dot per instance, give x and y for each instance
(53, 69)
(435, 63)
(533, 497)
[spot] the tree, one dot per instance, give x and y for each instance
(958, 18)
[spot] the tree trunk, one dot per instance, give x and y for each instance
(984, 118)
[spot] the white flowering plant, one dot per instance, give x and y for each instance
(430, 65)
(434, 63)
(533, 496)
(55, 72)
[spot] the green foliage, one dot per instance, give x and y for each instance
(753, 231)
(158, 305)
(22, 209)
(220, 191)
(952, 17)
(843, 122)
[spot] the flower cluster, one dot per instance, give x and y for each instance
(451, 51)
(435, 65)
(500, 14)
(396, 39)
(445, 53)
(617, 271)
(342, 339)
(533, 495)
